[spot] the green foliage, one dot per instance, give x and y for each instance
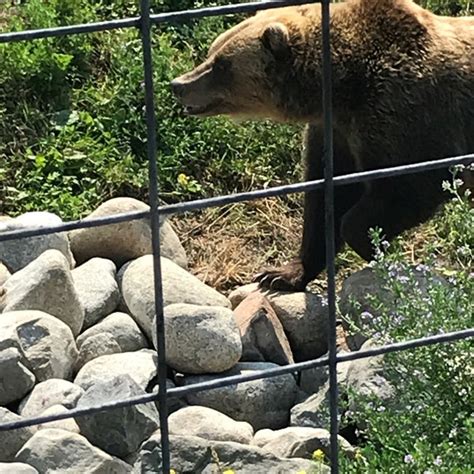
(428, 427)
(72, 129)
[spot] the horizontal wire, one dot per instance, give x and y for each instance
(179, 392)
(205, 203)
(95, 27)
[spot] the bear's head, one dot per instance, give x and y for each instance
(251, 70)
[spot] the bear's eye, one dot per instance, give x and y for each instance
(221, 65)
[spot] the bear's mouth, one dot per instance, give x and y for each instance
(201, 109)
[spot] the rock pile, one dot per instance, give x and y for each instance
(77, 329)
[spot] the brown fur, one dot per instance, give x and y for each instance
(403, 92)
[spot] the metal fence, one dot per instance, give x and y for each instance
(144, 23)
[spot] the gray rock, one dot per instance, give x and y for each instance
(48, 393)
(45, 343)
(16, 379)
(17, 254)
(119, 327)
(16, 468)
(263, 403)
(97, 289)
(359, 290)
(12, 441)
(120, 431)
(239, 294)
(312, 380)
(140, 365)
(201, 339)
(298, 442)
(45, 285)
(174, 403)
(179, 286)
(68, 424)
(263, 336)
(4, 274)
(59, 451)
(209, 424)
(314, 411)
(96, 346)
(126, 240)
(192, 454)
(366, 377)
(304, 317)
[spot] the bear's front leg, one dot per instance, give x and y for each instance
(296, 274)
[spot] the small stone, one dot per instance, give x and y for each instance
(45, 343)
(48, 393)
(18, 253)
(68, 424)
(264, 403)
(119, 327)
(126, 240)
(97, 289)
(179, 286)
(263, 336)
(96, 346)
(45, 285)
(59, 451)
(201, 339)
(11, 441)
(298, 442)
(121, 431)
(16, 379)
(192, 454)
(140, 365)
(304, 317)
(209, 424)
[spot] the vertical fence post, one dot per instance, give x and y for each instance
(329, 228)
(155, 227)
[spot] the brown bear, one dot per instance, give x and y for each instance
(403, 92)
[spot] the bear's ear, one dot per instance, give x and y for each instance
(276, 39)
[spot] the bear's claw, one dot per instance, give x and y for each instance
(289, 277)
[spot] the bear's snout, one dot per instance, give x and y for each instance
(177, 87)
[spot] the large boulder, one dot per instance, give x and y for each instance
(201, 339)
(12, 441)
(126, 240)
(18, 253)
(48, 393)
(120, 431)
(59, 451)
(362, 291)
(179, 286)
(192, 454)
(140, 365)
(97, 289)
(45, 285)
(304, 317)
(264, 403)
(68, 424)
(16, 379)
(45, 343)
(209, 424)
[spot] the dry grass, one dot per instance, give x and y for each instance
(227, 246)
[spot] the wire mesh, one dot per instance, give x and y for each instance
(144, 23)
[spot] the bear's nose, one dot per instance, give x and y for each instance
(177, 87)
